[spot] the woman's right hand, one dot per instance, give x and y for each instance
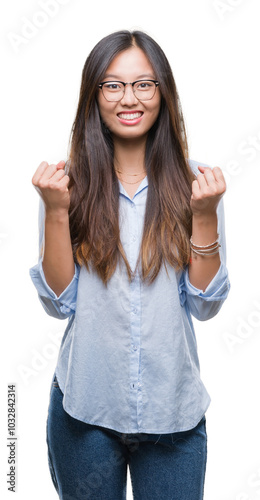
(51, 182)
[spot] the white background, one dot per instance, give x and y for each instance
(213, 48)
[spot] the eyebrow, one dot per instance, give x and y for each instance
(116, 77)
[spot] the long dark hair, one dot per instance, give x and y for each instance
(94, 189)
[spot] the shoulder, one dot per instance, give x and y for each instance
(195, 164)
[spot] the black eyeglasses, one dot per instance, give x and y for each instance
(113, 91)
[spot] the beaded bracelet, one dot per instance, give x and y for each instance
(210, 249)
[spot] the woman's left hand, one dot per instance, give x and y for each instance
(207, 190)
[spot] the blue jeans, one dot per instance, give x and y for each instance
(88, 462)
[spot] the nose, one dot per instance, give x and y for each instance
(129, 98)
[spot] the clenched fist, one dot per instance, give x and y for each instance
(51, 182)
(207, 190)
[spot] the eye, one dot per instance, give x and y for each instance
(144, 85)
(112, 86)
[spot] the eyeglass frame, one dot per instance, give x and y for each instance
(100, 85)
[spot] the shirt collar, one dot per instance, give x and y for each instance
(141, 187)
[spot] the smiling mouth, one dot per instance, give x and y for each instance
(129, 116)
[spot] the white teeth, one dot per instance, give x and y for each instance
(129, 116)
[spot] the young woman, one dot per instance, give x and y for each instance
(132, 244)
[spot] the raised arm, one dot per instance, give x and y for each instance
(207, 190)
(51, 182)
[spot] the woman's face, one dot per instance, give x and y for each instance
(129, 118)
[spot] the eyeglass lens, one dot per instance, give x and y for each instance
(143, 90)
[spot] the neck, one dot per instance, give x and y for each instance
(129, 156)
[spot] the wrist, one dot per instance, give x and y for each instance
(60, 215)
(204, 228)
(205, 219)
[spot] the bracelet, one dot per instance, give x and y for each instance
(210, 249)
(204, 246)
(203, 253)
